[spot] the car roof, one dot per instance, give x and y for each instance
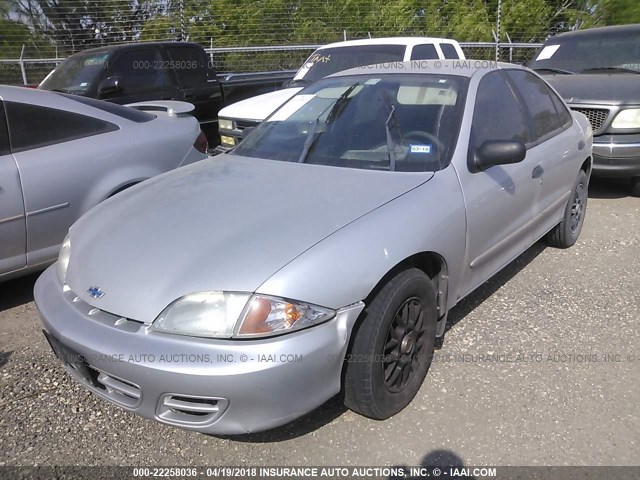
(45, 98)
(599, 31)
(407, 41)
(129, 46)
(463, 68)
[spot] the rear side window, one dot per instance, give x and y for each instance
(497, 114)
(4, 133)
(449, 51)
(32, 126)
(140, 70)
(189, 66)
(113, 108)
(537, 97)
(426, 51)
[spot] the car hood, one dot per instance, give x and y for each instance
(258, 108)
(227, 223)
(598, 88)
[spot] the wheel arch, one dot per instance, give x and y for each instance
(586, 166)
(435, 267)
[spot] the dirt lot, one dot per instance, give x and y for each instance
(540, 366)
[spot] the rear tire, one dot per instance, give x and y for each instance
(392, 347)
(635, 186)
(566, 233)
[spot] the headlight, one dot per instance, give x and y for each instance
(63, 259)
(207, 314)
(629, 118)
(227, 140)
(226, 315)
(226, 124)
(266, 316)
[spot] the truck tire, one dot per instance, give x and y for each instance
(566, 233)
(392, 347)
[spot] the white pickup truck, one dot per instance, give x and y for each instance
(325, 61)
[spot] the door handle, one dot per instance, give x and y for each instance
(537, 172)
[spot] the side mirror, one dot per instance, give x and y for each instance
(109, 87)
(499, 152)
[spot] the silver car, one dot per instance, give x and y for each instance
(60, 155)
(323, 253)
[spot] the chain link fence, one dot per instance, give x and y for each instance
(256, 59)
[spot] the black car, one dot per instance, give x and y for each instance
(597, 71)
(141, 72)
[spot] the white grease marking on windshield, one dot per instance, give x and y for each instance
(547, 52)
(291, 107)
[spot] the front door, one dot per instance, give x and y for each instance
(499, 200)
(13, 237)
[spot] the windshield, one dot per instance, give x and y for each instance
(77, 73)
(590, 54)
(326, 61)
(402, 122)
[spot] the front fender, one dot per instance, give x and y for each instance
(345, 267)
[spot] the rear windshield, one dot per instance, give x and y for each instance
(327, 61)
(77, 73)
(114, 109)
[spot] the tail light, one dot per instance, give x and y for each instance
(201, 144)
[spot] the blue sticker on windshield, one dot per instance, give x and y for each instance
(420, 148)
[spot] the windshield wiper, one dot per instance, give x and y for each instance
(60, 90)
(610, 69)
(334, 111)
(391, 146)
(554, 70)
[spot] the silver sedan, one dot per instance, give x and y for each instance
(60, 155)
(323, 253)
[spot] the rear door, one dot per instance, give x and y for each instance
(197, 83)
(554, 144)
(13, 238)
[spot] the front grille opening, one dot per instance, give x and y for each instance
(596, 116)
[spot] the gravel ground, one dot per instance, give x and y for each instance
(559, 383)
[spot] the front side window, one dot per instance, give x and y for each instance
(326, 61)
(33, 126)
(384, 122)
(497, 114)
(140, 70)
(537, 97)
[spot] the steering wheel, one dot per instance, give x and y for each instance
(422, 136)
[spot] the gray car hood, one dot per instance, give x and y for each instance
(598, 88)
(226, 223)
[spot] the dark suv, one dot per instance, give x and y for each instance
(141, 72)
(597, 71)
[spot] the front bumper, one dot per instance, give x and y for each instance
(212, 386)
(616, 155)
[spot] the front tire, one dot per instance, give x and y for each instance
(392, 347)
(635, 186)
(566, 233)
